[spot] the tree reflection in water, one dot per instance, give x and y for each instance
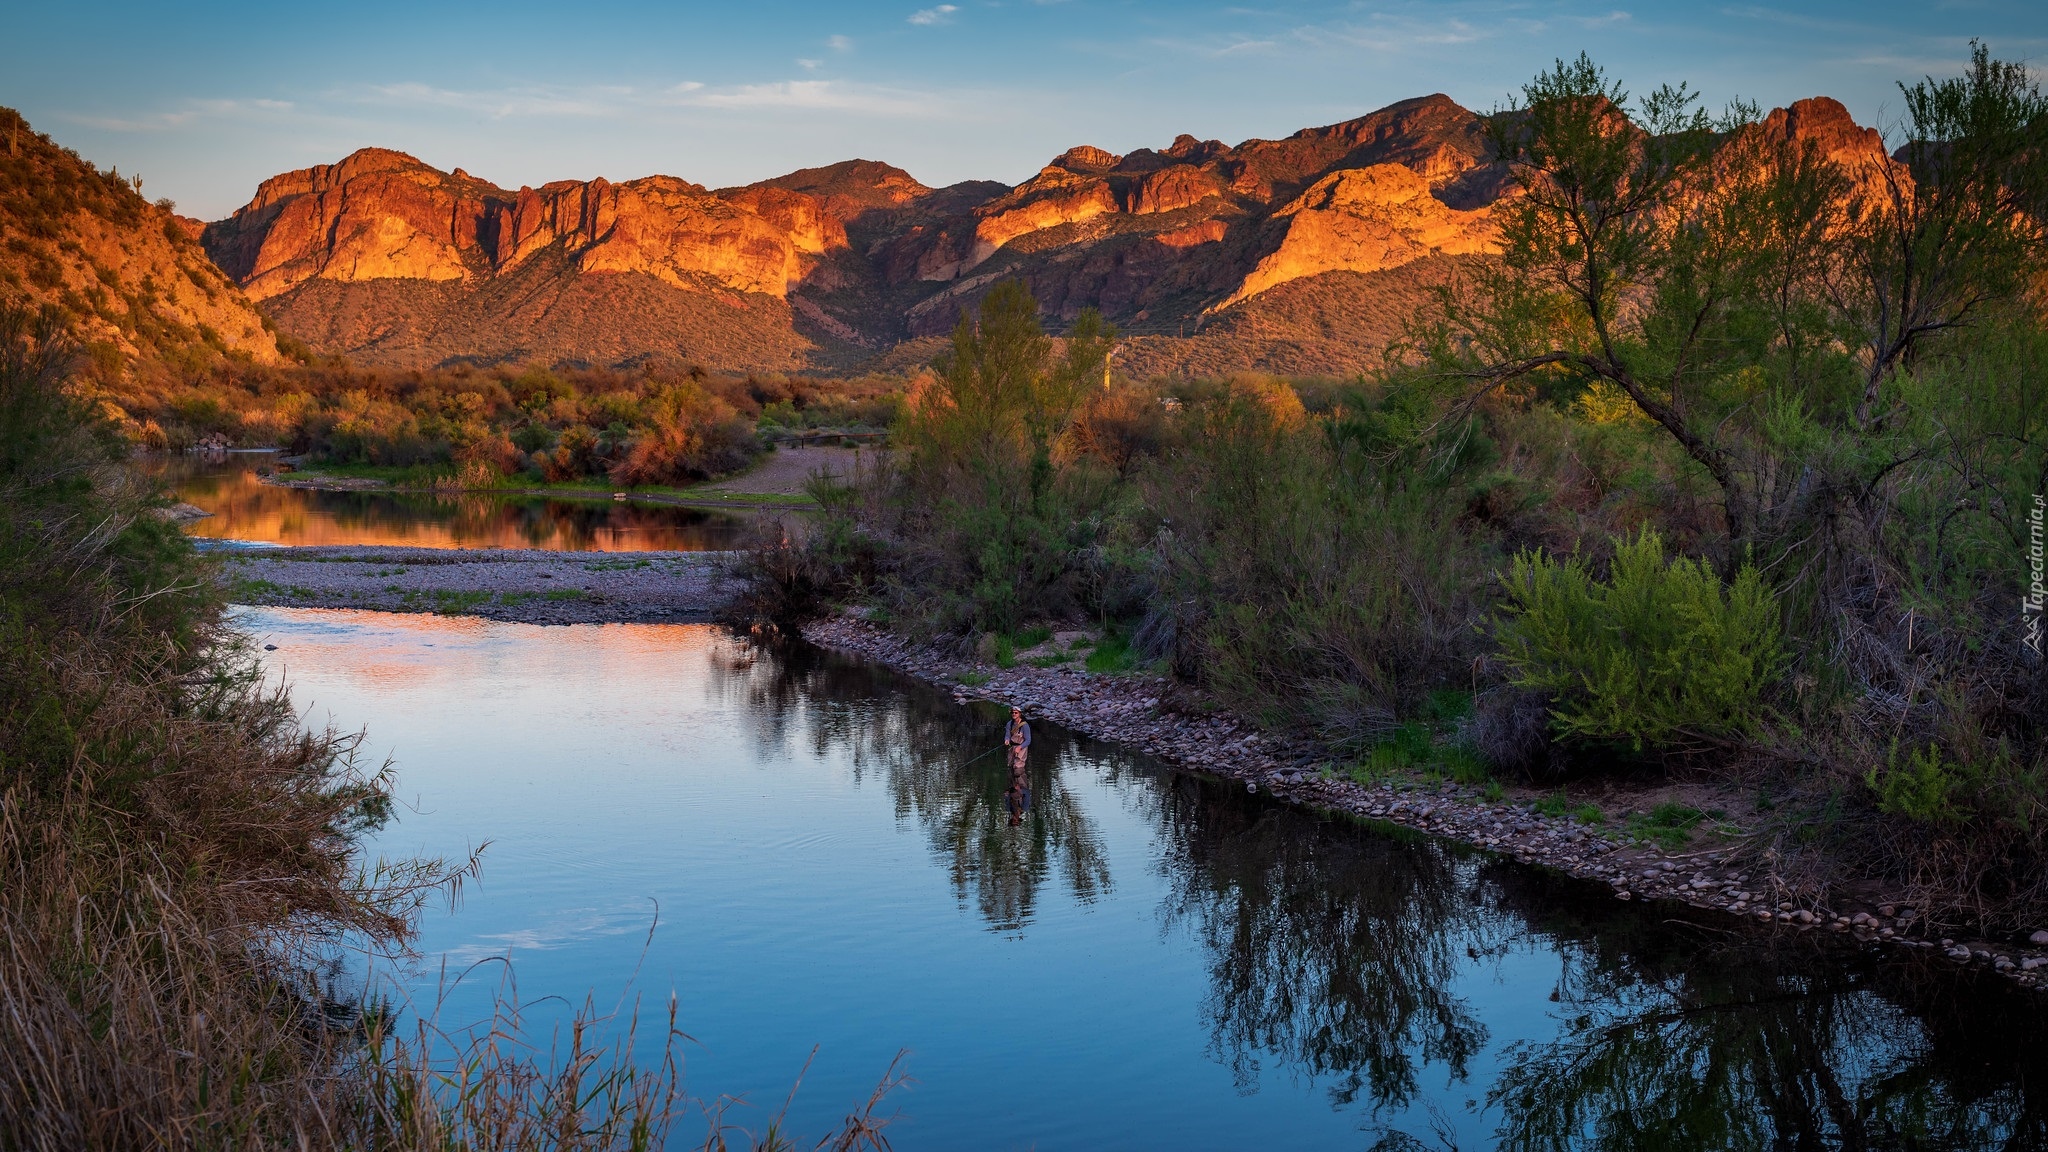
(1335, 952)
(1680, 1034)
(1331, 950)
(933, 765)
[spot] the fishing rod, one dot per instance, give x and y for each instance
(997, 748)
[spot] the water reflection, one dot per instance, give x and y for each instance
(939, 771)
(1676, 1034)
(230, 486)
(1353, 958)
(1331, 953)
(1151, 959)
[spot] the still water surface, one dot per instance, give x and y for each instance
(244, 508)
(1152, 960)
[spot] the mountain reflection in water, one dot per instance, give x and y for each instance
(1151, 960)
(230, 486)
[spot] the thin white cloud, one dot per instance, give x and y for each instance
(942, 14)
(809, 65)
(839, 43)
(190, 113)
(505, 103)
(619, 102)
(1245, 47)
(821, 95)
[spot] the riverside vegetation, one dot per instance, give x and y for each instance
(478, 427)
(183, 864)
(1725, 470)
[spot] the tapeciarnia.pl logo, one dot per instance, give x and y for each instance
(2030, 605)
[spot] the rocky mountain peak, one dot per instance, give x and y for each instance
(859, 255)
(1086, 159)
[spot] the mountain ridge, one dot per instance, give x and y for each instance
(827, 268)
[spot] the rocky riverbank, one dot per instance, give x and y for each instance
(1130, 710)
(525, 586)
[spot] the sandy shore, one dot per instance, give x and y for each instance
(529, 587)
(1128, 709)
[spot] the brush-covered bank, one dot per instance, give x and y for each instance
(1720, 478)
(183, 864)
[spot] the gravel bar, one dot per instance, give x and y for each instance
(522, 585)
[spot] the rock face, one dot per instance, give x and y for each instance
(1324, 236)
(382, 215)
(1364, 220)
(129, 275)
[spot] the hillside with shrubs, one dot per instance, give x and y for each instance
(1727, 470)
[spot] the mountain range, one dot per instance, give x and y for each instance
(1302, 255)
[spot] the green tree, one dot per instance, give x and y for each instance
(989, 507)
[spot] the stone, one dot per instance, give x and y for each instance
(2039, 939)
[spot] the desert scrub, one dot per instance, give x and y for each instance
(1659, 655)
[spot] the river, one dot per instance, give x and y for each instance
(229, 486)
(801, 847)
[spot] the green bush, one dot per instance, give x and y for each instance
(1113, 654)
(1309, 583)
(1661, 655)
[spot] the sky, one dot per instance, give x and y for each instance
(205, 100)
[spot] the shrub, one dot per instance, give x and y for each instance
(1304, 585)
(694, 435)
(1661, 655)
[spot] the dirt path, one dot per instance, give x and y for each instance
(785, 471)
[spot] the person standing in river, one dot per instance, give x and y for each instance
(1017, 742)
(1017, 739)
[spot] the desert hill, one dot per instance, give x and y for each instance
(129, 275)
(1293, 255)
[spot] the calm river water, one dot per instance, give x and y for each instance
(1152, 960)
(244, 508)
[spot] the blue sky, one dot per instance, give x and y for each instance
(205, 100)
